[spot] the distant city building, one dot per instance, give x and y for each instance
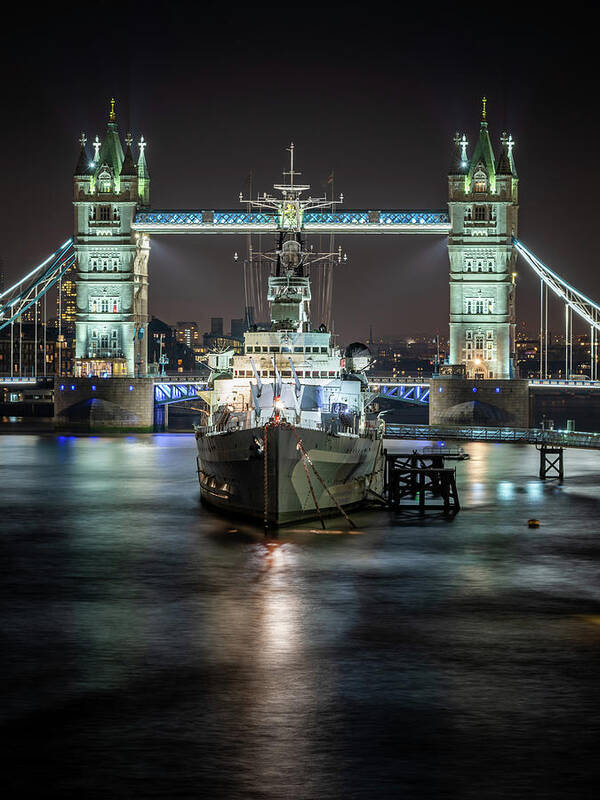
(216, 326)
(414, 356)
(66, 299)
(188, 333)
(179, 357)
(25, 346)
(238, 328)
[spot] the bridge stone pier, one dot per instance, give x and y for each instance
(104, 404)
(455, 400)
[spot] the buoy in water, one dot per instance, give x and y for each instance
(533, 523)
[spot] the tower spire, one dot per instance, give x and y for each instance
(83, 162)
(483, 109)
(143, 176)
(112, 117)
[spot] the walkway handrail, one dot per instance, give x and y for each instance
(537, 436)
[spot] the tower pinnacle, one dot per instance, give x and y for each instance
(483, 111)
(112, 117)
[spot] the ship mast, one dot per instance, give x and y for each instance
(290, 209)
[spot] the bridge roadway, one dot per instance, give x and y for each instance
(171, 389)
(414, 391)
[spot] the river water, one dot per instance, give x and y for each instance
(153, 649)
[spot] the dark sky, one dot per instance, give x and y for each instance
(375, 97)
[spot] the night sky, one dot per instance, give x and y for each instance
(375, 98)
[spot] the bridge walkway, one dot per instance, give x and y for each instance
(536, 436)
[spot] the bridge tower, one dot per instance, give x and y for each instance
(112, 260)
(483, 202)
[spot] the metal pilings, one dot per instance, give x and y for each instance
(551, 462)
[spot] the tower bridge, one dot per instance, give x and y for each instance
(114, 223)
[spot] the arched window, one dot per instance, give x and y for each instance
(104, 181)
(480, 182)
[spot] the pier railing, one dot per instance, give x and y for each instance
(536, 436)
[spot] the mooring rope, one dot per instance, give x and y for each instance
(323, 484)
(312, 491)
(265, 480)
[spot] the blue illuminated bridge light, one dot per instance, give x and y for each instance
(222, 219)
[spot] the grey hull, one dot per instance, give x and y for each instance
(232, 474)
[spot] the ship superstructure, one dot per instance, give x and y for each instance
(292, 398)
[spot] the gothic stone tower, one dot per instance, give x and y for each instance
(112, 261)
(483, 202)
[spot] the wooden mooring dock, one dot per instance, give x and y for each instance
(419, 481)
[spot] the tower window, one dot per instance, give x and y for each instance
(479, 305)
(104, 213)
(479, 182)
(480, 213)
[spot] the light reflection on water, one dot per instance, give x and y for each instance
(155, 649)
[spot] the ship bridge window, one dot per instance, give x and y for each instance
(324, 350)
(249, 349)
(273, 349)
(285, 349)
(298, 349)
(315, 349)
(265, 350)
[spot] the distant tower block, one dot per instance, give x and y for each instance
(483, 202)
(112, 260)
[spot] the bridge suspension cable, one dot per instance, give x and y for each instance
(574, 300)
(18, 298)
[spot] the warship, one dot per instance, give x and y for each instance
(287, 437)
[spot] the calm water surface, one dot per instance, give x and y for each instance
(154, 649)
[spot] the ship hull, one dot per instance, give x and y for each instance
(282, 487)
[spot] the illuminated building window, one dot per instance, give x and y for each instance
(104, 181)
(479, 182)
(104, 213)
(480, 213)
(105, 305)
(468, 213)
(479, 305)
